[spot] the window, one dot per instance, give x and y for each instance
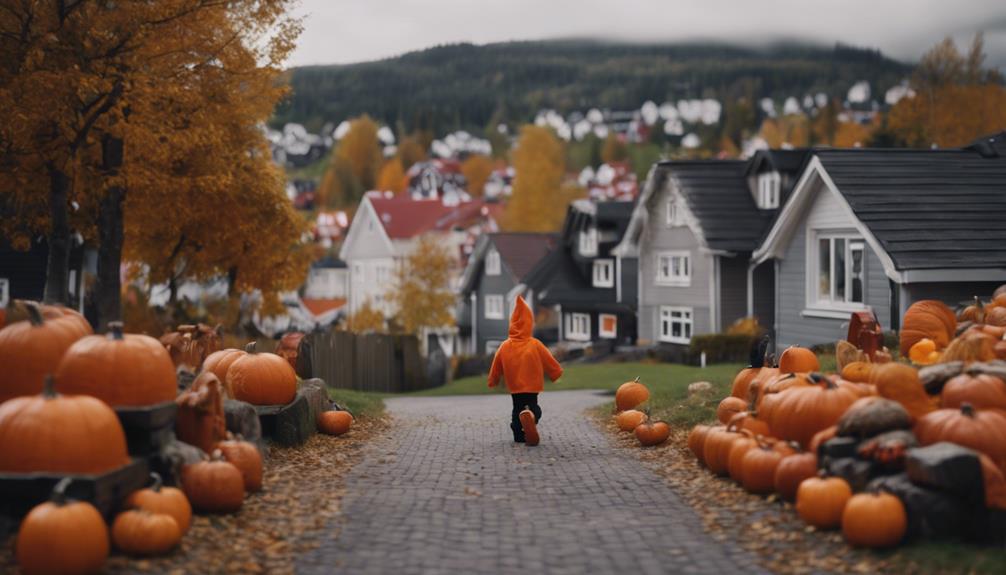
(838, 274)
(4, 292)
(674, 269)
(358, 272)
(383, 273)
(675, 324)
(768, 190)
(578, 326)
(588, 242)
(672, 213)
(607, 325)
(493, 263)
(494, 307)
(604, 273)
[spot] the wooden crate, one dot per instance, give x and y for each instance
(147, 428)
(19, 492)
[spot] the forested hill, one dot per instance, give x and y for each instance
(464, 85)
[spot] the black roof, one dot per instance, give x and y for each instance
(929, 209)
(718, 196)
(521, 251)
(328, 262)
(786, 161)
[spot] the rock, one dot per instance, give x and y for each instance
(242, 419)
(933, 377)
(873, 417)
(931, 514)
(856, 471)
(948, 467)
(173, 455)
(699, 388)
(289, 424)
(838, 448)
(888, 450)
(316, 393)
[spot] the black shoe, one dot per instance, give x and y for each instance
(518, 440)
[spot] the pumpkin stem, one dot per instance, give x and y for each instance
(967, 409)
(636, 380)
(158, 482)
(59, 492)
(115, 330)
(796, 446)
(34, 313)
(49, 387)
(250, 348)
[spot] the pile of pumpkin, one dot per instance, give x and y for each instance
(628, 397)
(782, 426)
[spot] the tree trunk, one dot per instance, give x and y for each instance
(57, 288)
(110, 229)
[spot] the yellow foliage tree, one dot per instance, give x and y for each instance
(361, 150)
(614, 150)
(410, 151)
(367, 319)
(538, 202)
(852, 135)
(422, 291)
(477, 170)
(770, 133)
(392, 177)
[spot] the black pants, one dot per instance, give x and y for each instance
(520, 401)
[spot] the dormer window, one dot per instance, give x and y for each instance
(493, 263)
(768, 191)
(604, 273)
(588, 242)
(674, 215)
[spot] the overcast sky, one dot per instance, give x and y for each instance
(343, 31)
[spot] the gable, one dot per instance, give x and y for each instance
(366, 237)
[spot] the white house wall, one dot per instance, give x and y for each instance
(657, 237)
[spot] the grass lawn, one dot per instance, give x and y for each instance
(360, 403)
(941, 557)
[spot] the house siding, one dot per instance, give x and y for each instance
(793, 327)
(733, 289)
(493, 329)
(657, 237)
(763, 297)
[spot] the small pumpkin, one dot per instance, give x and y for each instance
(983, 391)
(981, 430)
(262, 378)
(629, 419)
(874, 520)
(630, 394)
(729, 407)
(652, 433)
(141, 532)
(758, 468)
(335, 422)
(821, 500)
(44, 433)
(697, 440)
(973, 312)
(160, 499)
(246, 457)
(214, 486)
(30, 349)
(858, 372)
(797, 359)
(119, 369)
(716, 449)
(971, 346)
(821, 437)
(924, 352)
(742, 381)
(62, 537)
(927, 319)
(793, 470)
(996, 316)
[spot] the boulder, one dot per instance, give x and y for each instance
(931, 514)
(290, 424)
(316, 393)
(888, 450)
(172, 456)
(242, 419)
(838, 448)
(856, 471)
(948, 467)
(933, 377)
(872, 417)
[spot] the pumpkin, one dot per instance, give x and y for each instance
(901, 383)
(60, 433)
(30, 349)
(758, 468)
(335, 422)
(970, 347)
(983, 391)
(716, 449)
(742, 381)
(996, 316)
(738, 449)
(262, 378)
(630, 394)
(924, 352)
(798, 360)
(798, 413)
(61, 537)
(995, 484)
(119, 369)
(858, 372)
(219, 362)
(781, 383)
(973, 312)
(19, 311)
(652, 433)
(765, 375)
(874, 520)
(821, 500)
(821, 437)
(747, 420)
(246, 457)
(697, 440)
(791, 471)
(872, 415)
(729, 407)
(629, 419)
(927, 319)
(141, 532)
(214, 486)
(981, 430)
(160, 499)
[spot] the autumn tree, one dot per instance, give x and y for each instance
(422, 291)
(476, 170)
(392, 177)
(614, 150)
(360, 150)
(538, 202)
(411, 150)
(366, 319)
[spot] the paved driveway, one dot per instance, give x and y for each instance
(447, 491)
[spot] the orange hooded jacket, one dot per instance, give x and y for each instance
(522, 360)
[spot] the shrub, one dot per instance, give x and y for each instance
(723, 347)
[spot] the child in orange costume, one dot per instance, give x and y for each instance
(523, 361)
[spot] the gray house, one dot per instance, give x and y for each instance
(491, 282)
(693, 230)
(880, 229)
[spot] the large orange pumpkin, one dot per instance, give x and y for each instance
(60, 433)
(30, 350)
(983, 391)
(874, 520)
(927, 318)
(219, 362)
(123, 370)
(716, 449)
(62, 537)
(262, 378)
(798, 359)
(630, 394)
(758, 468)
(820, 501)
(792, 471)
(798, 413)
(738, 449)
(981, 430)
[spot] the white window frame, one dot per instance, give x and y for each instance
(606, 334)
(494, 306)
(768, 190)
(604, 273)
(577, 327)
(853, 242)
(4, 292)
(493, 267)
(680, 275)
(672, 212)
(667, 316)
(588, 242)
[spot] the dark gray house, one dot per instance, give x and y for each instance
(23, 272)
(591, 289)
(880, 229)
(491, 282)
